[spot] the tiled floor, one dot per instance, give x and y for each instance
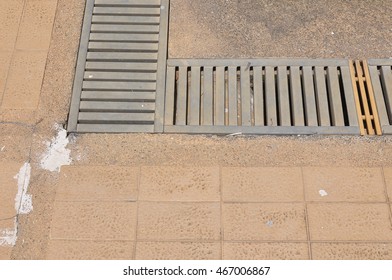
(214, 213)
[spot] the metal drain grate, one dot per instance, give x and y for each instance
(260, 96)
(381, 77)
(121, 67)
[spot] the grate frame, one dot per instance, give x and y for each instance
(297, 96)
(121, 67)
(381, 78)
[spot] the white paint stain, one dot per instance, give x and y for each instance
(270, 223)
(23, 205)
(23, 201)
(2, 148)
(323, 193)
(57, 154)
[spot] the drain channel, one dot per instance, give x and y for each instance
(260, 96)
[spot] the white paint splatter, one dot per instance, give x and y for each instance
(2, 148)
(8, 236)
(323, 193)
(23, 205)
(23, 201)
(57, 154)
(270, 223)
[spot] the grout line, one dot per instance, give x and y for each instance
(13, 51)
(221, 212)
(137, 211)
(386, 195)
(306, 215)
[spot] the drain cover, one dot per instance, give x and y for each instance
(381, 76)
(121, 67)
(260, 96)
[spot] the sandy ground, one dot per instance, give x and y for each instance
(209, 29)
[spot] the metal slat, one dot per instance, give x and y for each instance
(322, 97)
(270, 96)
(335, 97)
(120, 76)
(125, 28)
(116, 118)
(122, 57)
(220, 96)
(245, 96)
(127, 11)
(113, 37)
(96, 106)
(128, 2)
(182, 96)
(114, 128)
(296, 96)
(99, 19)
(208, 97)
(283, 97)
(349, 95)
(170, 96)
(232, 89)
(258, 96)
(309, 96)
(122, 46)
(121, 66)
(194, 96)
(117, 96)
(379, 97)
(386, 80)
(139, 86)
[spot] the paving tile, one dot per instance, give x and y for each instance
(262, 184)
(180, 183)
(388, 181)
(5, 253)
(15, 142)
(344, 184)
(265, 251)
(178, 251)
(94, 220)
(5, 60)
(18, 116)
(90, 250)
(349, 221)
(264, 222)
(10, 14)
(36, 26)
(24, 80)
(178, 221)
(97, 183)
(8, 188)
(352, 251)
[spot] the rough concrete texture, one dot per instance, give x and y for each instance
(263, 28)
(169, 215)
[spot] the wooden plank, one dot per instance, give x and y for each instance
(120, 76)
(296, 97)
(208, 97)
(117, 96)
(96, 106)
(365, 104)
(349, 95)
(220, 96)
(121, 66)
(125, 28)
(124, 11)
(104, 85)
(357, 98)
(123, 46)
(270, 96)
(161, 67)
(114, 128)
(309, 96)
(114, 37)
(283, 97)
(322, 97)
(170, 96)
(181, 108)
(77, 86)
(233, 93)
(372, 101)
(91, 117)
(245, 97)
(122, 56)
(258, 95)
(379, 96)
(194, 110)
(335, 97)
(99, 19)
